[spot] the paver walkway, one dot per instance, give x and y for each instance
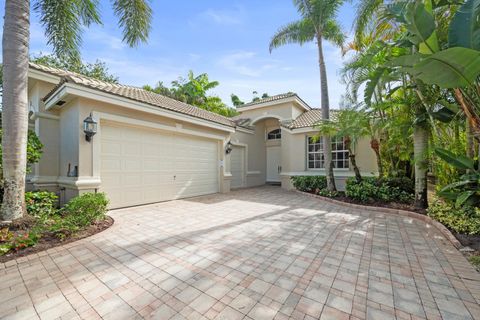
(259, 253)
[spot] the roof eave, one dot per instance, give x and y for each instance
(67, 91)
(294, 98)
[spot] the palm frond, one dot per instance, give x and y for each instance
(135, 17)
(63, 20)
(300, 32)
(333, 33)
(365, 11)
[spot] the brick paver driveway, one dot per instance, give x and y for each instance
(260, 253)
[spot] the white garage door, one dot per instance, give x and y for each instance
(140, 166)
(237, 163)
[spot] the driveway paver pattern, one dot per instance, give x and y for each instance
(259, 253)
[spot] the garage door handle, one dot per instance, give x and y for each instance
(174, 177)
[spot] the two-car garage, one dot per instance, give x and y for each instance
(141, 165)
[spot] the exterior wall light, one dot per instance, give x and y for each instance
(89, 127)
(228, 148)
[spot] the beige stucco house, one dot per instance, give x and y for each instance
(149, 148)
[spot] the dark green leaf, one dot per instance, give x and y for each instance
(458, 161)
(372, 84)
(464, 29)
(463, 197)
(455, 185)
(444, 115)
(451, 68)
(419, 22)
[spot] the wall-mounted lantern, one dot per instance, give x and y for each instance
(89, 127)
(228, 148)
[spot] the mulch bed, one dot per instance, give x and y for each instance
(377, 203)
(48, 241)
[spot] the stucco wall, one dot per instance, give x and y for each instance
(256, 154)
(294, 155)
(46, 125)
(284, 111)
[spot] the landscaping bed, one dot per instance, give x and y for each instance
(49, 240)
(46, 226)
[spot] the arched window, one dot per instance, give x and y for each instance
(274, 134)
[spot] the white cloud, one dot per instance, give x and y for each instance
(138, 73)
(225, 17)
(246, 63)
(96, 35)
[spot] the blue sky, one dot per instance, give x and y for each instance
(226, 39)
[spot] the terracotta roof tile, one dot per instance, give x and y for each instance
(270, 99)
(133, 93)
(309, 119)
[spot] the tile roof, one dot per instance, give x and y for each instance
(270, 99)
(309, 119)
(132, 93)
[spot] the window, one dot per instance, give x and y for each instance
(315, 153)
(274, 134)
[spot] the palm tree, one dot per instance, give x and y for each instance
(63, 22)
(318, 22)
(349, 125)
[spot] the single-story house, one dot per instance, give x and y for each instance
(149, 148)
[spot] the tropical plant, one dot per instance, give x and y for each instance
(63, 22)
(465, 191)
(194, 90)
(97, 70)
(349, 125)
(406, 60)
(317, 22)
(236, 100)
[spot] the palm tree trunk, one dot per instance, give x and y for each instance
(375, 145)
(420, 146)
(470, 141)
(358, 176)
(16, 36)
(327, 144)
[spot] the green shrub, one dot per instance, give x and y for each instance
(86, 209)
(10, 241)
(465, 220)
(475, 260)
(402, 183)
(370, 189)
(327, 193)
(79, 213)
(41, 204)
(364, 191)
(309, 183)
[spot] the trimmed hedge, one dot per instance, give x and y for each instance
(309, 183)
(371, 189)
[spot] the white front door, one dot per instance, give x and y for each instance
(273, 164)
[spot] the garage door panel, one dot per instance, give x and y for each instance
(112, 148)
(111, 165)
(140, 166)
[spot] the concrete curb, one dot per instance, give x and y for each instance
(440, 227)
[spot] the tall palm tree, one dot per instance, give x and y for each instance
(318, 22)
(63, 22)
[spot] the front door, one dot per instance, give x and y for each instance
(273, 164)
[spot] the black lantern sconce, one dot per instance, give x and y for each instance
(228, 148)
(89, 127)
